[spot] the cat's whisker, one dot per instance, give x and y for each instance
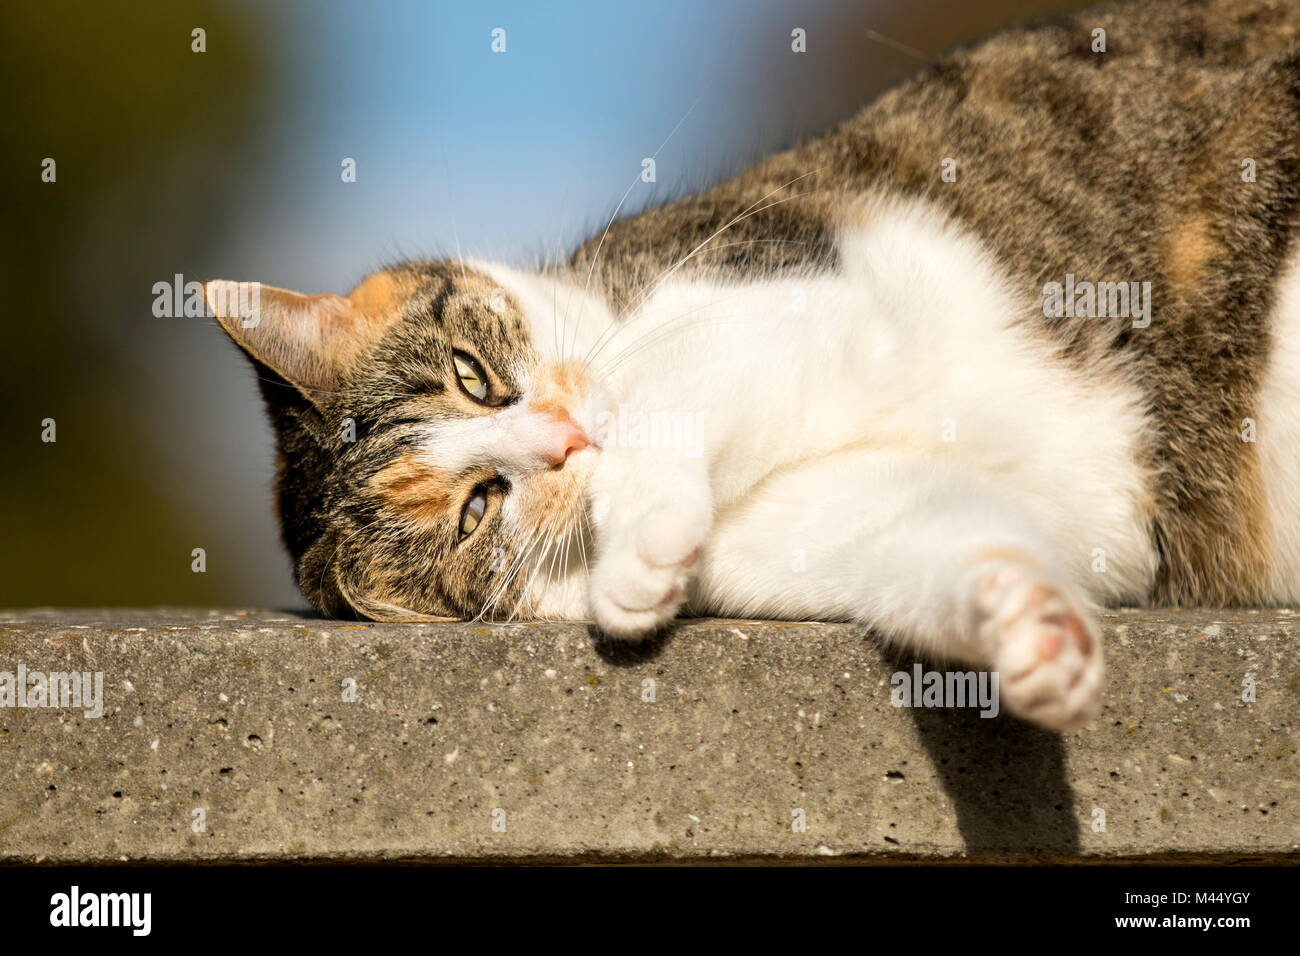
(555, 554)
(627, 325)
(489, 608)
(540, 536)
(739, 217)
(669, 273)
(527, 596)
(896, 45)
(584, 528)
(564, 564)
(564, 528)
(687, 320)
(451, 214)
(563, 553)
(650, 288)
(554, 268)
(595, 258)
(511, 573)
(607, 369)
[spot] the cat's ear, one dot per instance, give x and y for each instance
(308, 340)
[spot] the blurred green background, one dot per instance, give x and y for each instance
(226, 164)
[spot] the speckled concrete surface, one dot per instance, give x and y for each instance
(228, 736)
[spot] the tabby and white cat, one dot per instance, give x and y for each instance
(843, 386)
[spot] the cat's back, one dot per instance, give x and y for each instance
(1152, 145)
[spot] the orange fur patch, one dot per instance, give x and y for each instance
(378, 294)
(1190, 253)
(558, 389)
(416, 489)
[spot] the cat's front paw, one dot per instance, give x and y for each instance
(640, 578)
(1045, 648)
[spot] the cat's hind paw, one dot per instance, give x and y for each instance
(639, 581)
(1045, 647)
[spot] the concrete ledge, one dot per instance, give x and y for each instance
(241, 715)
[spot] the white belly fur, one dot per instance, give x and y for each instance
(1278, 436)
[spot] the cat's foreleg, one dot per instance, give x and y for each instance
(1030, 626)
(966, 576)
(931, 556)
(651, 514)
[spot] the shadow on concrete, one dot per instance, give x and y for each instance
(628, 653)
(1006, 777)
(310, 614)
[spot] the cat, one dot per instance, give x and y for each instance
(849, 384)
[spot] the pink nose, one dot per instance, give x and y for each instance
(565, 438)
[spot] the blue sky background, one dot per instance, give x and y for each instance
(515, 151)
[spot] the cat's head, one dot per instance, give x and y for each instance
(431, 443)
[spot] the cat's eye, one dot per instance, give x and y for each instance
(472, 513)
(473, 380)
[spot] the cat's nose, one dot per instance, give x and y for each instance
(565, 438)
